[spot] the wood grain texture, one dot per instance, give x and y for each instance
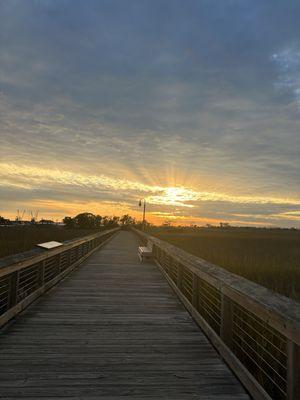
(113, 329)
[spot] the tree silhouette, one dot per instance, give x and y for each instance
(69, 222)
(85, 220)
(127, 220)
(98, 220)
(90, 221)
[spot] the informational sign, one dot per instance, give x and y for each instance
(49, 245)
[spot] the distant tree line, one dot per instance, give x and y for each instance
(84, 220)
(4, 221)
(90, 221)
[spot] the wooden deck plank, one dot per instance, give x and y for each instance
(113, 329)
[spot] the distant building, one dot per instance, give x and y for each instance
(46, 222)
(5, 221)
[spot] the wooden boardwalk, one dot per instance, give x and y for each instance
(113, 329)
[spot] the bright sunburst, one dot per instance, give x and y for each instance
(174, 196)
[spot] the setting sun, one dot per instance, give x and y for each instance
(174, 196)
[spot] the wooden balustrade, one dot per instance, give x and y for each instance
(255, 330)
(23, 281)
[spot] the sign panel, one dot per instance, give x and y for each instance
(49, 245)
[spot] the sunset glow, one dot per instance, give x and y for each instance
(164, 203)
(102, 106)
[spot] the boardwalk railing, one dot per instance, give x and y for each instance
(23, 281)
(255, 330)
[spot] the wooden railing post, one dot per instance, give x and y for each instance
(226, 320)
(41, 273)
(13, 289)
(59, 263)
(293, 371)
(69, 257)
(195, 291)
(155, 252)
(179, 275)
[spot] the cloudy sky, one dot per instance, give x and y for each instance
(193, 105)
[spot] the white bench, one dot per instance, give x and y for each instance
(145, 253)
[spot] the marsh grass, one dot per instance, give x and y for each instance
(269, 257)
(16, 239)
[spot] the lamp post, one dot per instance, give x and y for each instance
(144, 213)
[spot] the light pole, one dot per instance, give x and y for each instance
(144, 213)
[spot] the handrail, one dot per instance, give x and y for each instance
(256, 330)
(24, 277)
